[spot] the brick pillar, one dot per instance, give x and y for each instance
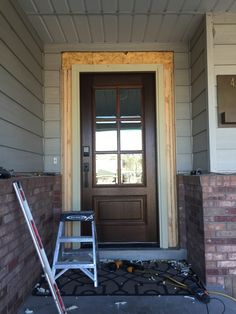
(19, 264)
(219, 203)
(210, 211)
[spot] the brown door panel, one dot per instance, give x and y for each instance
(124, 212)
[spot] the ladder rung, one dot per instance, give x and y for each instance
(75, 239)
(74, 265)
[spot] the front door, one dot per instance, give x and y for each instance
(119, 155)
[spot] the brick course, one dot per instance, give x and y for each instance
(210, 211)
(19, 264)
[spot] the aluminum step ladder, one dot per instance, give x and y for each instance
(82, 258)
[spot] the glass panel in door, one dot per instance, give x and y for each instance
(119, 152)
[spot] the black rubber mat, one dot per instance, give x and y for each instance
(129, 278)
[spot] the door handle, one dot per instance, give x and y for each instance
(86, 167)
(86, 170)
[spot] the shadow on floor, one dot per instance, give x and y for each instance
(129, 305)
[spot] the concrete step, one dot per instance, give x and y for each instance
(142, 254)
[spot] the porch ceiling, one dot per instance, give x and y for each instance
(119, 21)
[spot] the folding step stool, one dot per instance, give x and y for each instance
(75, 259)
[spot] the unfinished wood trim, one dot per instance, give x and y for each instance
(116, 61)
(171, 162)
(71, 58)
(66, 127)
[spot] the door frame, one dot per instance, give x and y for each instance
(165, 133)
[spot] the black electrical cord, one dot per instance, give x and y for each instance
(207, 307)
(222, 302)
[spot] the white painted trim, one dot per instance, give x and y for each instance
(212, 118)
(160, 127)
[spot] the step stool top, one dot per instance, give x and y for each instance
(78, 216)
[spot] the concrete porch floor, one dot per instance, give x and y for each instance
(129, 305)
(132, 304)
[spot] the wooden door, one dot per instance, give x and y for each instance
(118, 155)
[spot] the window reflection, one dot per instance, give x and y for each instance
(106, 136)
(131, 169)
(131, 135)
(130, 102)
(105, 102)
(106, 169)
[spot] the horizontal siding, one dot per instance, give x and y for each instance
(20, 161)
(199, 85)
(183, 128)
(224, 34)
(20, 27)
(21, 93)
(225, 64)
(17, 92)
(11, 39)
(18, 115)
(199, 123)
(184, 145)
(199, 99)
(199, 104)
(52, 146)
(200, 142)
(184, 162)
(226, 138)
(198, 66)
(200, 160)
(17, 69)
(52, 133)
(52, 112)
(19, 138)
(52, 95)
(52, 129)
(51, 78)
(225, 160)
(183, 112)
(229, 18)
(52, 61)
(224, 54)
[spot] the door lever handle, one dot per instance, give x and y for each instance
(86, 170)
(86, 167)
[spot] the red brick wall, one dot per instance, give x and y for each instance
(194, 224)
(181, 212)
(19, 264)
(210, 209)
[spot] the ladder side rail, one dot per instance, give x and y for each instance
(94, 254)
(39, 247)
(57, 248)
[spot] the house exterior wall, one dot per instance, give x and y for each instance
(199, 99)
(52, 67)
(224, 63)
(21, 92)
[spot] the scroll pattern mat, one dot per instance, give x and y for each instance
(119, 278)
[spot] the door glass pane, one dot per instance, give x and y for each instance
(131, 168)
(130, 102)
(106, 136)
(131, 135)
(106, 169)
(105, 102)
